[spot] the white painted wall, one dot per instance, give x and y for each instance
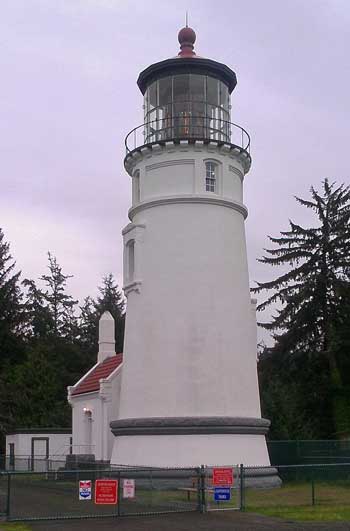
(190, 339)
(181, 170)
(92, 434)
(59, 444)
(192, 450)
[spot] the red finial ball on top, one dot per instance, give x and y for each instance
(187, 38)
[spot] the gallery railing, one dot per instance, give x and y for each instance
(187, 127)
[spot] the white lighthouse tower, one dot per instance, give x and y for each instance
(189, 392)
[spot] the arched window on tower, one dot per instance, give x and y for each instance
(211, 170)
(130, 250)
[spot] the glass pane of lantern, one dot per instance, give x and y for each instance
(153, 96)
(198, 119)
(212, 91)
(165, 107)
(182, 87)
(165, 96)
(182, 119)
(224, 96)
(151, 117)
(197, 87)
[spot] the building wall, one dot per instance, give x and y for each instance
(59, 444)
(113, 410)
(193, 450)
(181, 171)
(190, 336)
(194, 352)
(84, 426)
(92, 435)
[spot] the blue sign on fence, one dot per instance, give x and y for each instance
(222, 494)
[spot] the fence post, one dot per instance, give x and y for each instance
(202, 487)
(119, 494)
(241, 488)
(8, 495)
(199, 498)
(313, 489)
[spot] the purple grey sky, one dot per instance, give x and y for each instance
(68, 96)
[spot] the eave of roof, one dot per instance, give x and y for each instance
(104, 369)
(185, 65)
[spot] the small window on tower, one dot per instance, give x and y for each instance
(136, 187)
(210, 176)
(131, 259)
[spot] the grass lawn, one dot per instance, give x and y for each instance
(14, 527)
(294, 501)
(317, 513)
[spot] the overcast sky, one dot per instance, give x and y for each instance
(68, 97)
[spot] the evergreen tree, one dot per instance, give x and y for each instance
(39, 322)
(340, 347)
(296, 395)
(11, 330)
(37, 391)
(60, 305)
(311, 297)
(319, 258)
(88, 330)
(110, 299)
(11, 311)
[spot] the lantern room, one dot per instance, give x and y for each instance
(187, 96)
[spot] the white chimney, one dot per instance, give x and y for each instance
(106, 337)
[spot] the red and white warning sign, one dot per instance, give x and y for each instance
(222, 477)
(128, 488)
(106, 491)
(85, 490)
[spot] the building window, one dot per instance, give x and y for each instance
(130, 246)
(136, 187)
(210, 176)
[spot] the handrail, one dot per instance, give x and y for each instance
(180, 127)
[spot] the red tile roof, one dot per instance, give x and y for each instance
(92, 381)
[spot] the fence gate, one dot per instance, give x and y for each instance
(222, 488)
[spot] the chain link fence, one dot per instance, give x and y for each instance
(309, 452)
(55, 494)
(62, 494)
(26, 463)
(3, 494)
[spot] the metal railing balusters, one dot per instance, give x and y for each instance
(179, 127)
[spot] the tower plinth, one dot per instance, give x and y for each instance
(189, 391)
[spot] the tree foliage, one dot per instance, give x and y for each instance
(310, 295)
(47, 342)
(109, 299)
(319, 259)
(59, 304)
(11, 310)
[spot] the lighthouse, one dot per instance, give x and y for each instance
(189, 391)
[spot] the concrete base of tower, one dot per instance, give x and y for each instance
(190, 441)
